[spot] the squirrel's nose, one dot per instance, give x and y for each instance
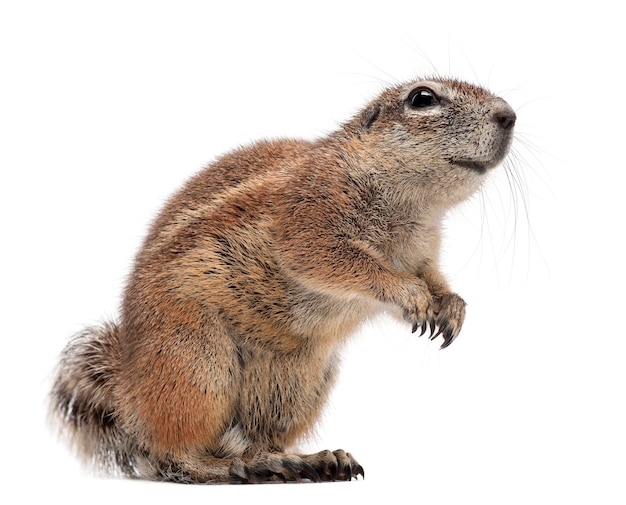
(504, 115)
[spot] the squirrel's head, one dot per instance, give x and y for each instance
(439, 134)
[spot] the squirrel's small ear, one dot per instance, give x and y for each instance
(369, 115)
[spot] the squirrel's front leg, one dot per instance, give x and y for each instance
(425, 298)
(354, 266)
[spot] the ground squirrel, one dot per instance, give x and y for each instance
(256, 272)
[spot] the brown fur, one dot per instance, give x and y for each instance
(257, 271)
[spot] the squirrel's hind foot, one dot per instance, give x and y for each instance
(320, 467)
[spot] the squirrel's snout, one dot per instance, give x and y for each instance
(504, 115)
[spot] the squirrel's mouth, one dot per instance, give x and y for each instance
(488, 160)
(477, 166)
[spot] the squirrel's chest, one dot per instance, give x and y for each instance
(409, 244)
(405, 233)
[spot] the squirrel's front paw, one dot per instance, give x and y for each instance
(449, 317)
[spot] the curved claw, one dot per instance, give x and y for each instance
(296, 471)
(308, 472)
(446, 342)
(433, 336)
(448, 338)
(359, 470)
(424, 326)
(433, 326)
(348, 473)
(414, 328)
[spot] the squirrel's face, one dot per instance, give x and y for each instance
(466, 125)
(443, 133)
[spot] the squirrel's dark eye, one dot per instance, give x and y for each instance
(423, 97)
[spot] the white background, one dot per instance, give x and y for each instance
(107, 107)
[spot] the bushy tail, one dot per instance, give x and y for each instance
(83, 405)
(82, 399)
